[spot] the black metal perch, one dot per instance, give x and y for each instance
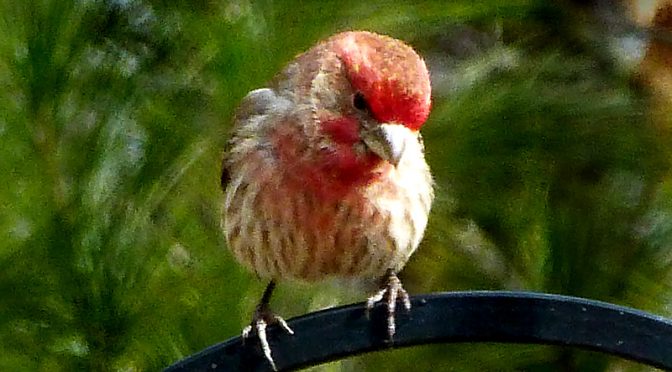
(506, 317)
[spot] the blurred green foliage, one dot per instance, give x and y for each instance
(550, 173)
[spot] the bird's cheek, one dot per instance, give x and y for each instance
(342, 129)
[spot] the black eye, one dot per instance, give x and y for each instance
(359, 102)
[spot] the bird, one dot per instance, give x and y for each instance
(324, 174)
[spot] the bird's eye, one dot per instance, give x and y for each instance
(359, 102)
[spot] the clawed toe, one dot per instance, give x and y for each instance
(391, 291)
(263, 317)
(259, 325)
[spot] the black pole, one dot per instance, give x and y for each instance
(506, 317)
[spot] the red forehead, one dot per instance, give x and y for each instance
(392, 77)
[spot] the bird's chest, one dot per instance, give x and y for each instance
(283, 226)
(346, 236)
(299, 235)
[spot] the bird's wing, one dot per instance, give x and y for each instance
(256, 105)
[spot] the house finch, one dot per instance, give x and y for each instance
(325, 173)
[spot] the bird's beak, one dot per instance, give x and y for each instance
(385, 140)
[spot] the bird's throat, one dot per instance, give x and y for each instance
(331, 171)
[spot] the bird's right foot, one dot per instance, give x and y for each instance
(263, 317)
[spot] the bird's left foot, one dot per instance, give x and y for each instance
(391, 290)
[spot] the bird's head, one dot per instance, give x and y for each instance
(361, 99)
(372, 92)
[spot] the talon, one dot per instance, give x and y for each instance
(405, 299)
(261, 332)
(371, 301)
(392, 291)
(283, 324)
(246, 333)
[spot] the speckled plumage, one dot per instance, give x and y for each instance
(325, 173)
(306, 199)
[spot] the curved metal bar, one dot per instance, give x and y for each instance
(453, 317)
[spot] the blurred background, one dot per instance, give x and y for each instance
(549, 141)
